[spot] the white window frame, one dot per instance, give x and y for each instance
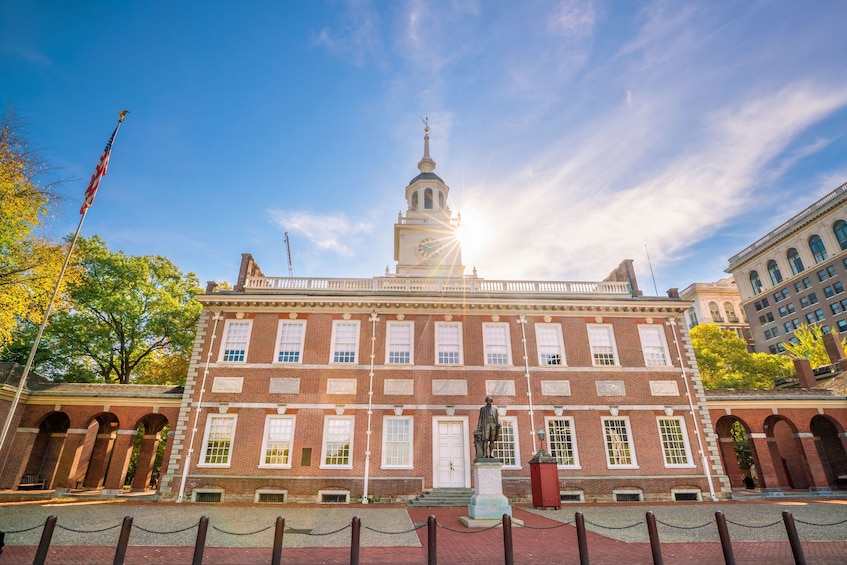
(389, 342)
(633, 464)
(572, 430)
(611, 334)
(265, 439)
(663, 344)
(686, 445)
(335, 325)
(557, 328)
(208, 428)
(491, 326)
(278, 348)
(458, 326)
(410, 442)
(225, 339)
(352, 430)
(510, 422)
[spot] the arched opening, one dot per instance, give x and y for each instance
(795, 261)
(715, 312)
(739, 456)
(148, 451)
(755, 282)
(730, 312)
(786, 451)
(840, 231)
(97, 451)
(818, 249)
(830, 449)
(414, 204)
(47, 448)
(773, 271)
(428, 199)
(441, 203)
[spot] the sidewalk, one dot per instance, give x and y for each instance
(389, 534)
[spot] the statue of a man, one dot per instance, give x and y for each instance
(487, 428)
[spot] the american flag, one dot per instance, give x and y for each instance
(100, 170)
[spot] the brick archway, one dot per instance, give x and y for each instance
(786, 452)
(729, 454)
(830, 441)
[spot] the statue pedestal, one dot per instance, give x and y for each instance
(488, 504)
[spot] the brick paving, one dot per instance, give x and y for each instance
(542, 540)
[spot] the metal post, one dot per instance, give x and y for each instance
(432, 551)
(200, 544)
(354, 542)
(276, 556)
(791, 529)
(44, 544)
(726, 544)
(653, 532)
(508, 548)
(123, 541)
(581, 539)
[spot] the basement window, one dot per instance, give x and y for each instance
(571, 496)
(207, 495)
(627, 495)
(268, 496)
(686, 494)
(334, 496)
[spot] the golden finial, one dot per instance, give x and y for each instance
(122, 114)
(425, 120)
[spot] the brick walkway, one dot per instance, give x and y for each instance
(541, 542)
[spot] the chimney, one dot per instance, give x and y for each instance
(804, 373)
(673, 293)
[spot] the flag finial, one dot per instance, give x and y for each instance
(122, 114)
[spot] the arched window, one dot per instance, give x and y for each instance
(715, 312)
(441, 200)
(773, 271)
(428, 199)
(415, 200)
(755, 282)
(730, 312)
(817, 248)
(794, 261)
(840, 231)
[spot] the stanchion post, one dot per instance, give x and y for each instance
(653, 532)
(791, 530)
(123, 541)
(354, 543)
(200, 544)
(581, 538)
(726, 543)
(508, 548)
(44, 544)
(276, 556)
(432, 550)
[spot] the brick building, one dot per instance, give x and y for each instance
(315, 389)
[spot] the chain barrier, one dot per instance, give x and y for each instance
(414, 529)
(684, 527)
(479, 531)
(145, 530)
(323, 533)
(614, 527)
(562, 525)
(106, 529)
(820, 525)
(241, 534)
(24, 530)
(728, 521)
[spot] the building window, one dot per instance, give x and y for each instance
(345, 342)
(337, 442)
(415, 200)
(773, 271)
(755, 282)
(551, 349)
(496, 343)
(561, 441)
(730, 312)
(441, 202)
(619, 451)
(217, 443)
(831, 271)
(715, 312)
(602, 341)
(840, 231)
(397, 442)
(428, 199)
(795, 261)
(276, 446)
(506, 448)
(818, 249)
(290, 341)
(692, 318)
(842, 326)
(836, 308)
(398, 347)
(801, 285)
(675, 448)
(653, 345)
(448, 343)
(236, 338)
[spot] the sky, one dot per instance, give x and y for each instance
(572, 134)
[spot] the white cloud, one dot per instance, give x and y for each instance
(573, 18)
(328, 232)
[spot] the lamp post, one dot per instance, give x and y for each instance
(544, 477)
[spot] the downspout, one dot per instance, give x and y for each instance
(216, 317)
(522, 322)
(704, 461)
(373, 319)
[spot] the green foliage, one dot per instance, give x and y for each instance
(810, 345)
(127, 316)
(725, 363)
(742, 446)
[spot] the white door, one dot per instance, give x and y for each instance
(449, 454)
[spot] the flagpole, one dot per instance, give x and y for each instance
(84, 210)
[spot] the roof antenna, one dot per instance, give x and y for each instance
(655, 288)
(288, 249)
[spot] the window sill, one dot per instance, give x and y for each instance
(266, 466)
(335, 467)
(397, 467)
(214, 465)
(686, 466)
(569, 467)
(623, 466)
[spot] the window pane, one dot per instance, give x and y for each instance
(504, 448)
(560, 441)
(235, 343)
(345, 342)
(337, 442)
(219, 440)
(496, 344)
(398, 438)
(400, 343)
(602, 346)
(549, 349)
(447, 344)
(673, 442)
(617, 443)
(653, 346)
(278, 441)
(290, 340)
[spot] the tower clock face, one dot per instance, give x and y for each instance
(429, 248)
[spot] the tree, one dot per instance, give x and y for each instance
(29, 263)
(724, 361)
(809, 344)
(129, 318)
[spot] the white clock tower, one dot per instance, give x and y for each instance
(426, 242)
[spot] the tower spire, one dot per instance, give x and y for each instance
(426, 164)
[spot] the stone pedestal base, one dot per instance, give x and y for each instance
(488, 502)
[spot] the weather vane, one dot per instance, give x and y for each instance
(425, 120)
(122, 114)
